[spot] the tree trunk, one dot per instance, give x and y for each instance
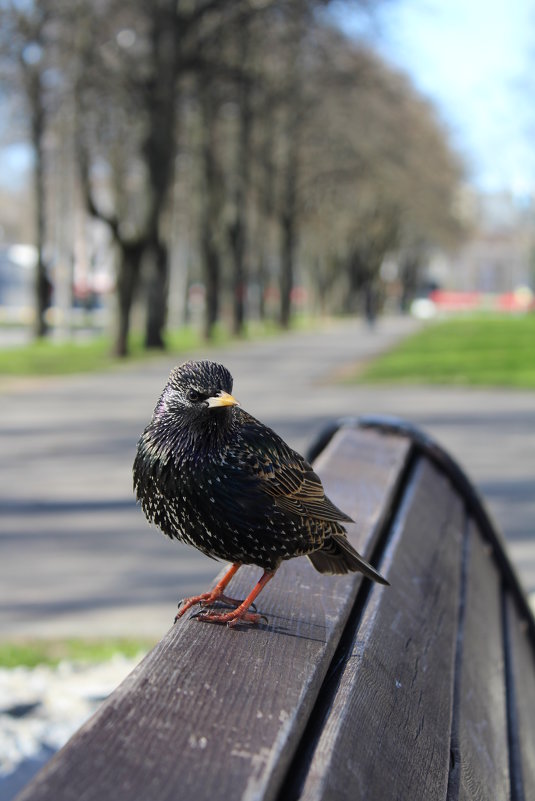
(261, 278)
(238, 228)
(288, 222)
(43, 286)
(212, 282)
(160, 151)
(356, 273)
(267, 205)
(287, 268)
(239, 281)
(211, 211)
(410, 276)
(288, 217)
(129, 270)
(130, 254)
(157, 296)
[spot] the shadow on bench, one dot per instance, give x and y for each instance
(421, 690)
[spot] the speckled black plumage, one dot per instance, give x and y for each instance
(216, 478)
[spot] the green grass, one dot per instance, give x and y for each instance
(46, 357)
(36, 652)
(484, 350)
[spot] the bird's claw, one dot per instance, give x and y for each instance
(230, 618)
(225, 602)
(207, 601)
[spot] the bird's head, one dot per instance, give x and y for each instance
(197, 399)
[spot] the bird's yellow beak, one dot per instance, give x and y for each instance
(222, 399)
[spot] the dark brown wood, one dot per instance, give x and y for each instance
(424, 445)
(483, 741)
(387, 734)
(522, 665)
(213, 712)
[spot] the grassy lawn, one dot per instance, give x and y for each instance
(484, 350)
(47, 357)
(60, 358)
(45, 652)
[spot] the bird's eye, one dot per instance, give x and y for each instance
(193, 395)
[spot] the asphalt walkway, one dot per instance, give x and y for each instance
(78, 557)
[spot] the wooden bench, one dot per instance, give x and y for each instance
(421, 690)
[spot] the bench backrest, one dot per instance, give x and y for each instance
(421, 690)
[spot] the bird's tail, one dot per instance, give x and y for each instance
(338, 556)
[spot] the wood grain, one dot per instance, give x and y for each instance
(387, 735)
(482, 714)
(522, 663)
(213, 712)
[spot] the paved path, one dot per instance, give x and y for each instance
(77, 555)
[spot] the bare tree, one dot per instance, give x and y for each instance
(378, 173)
(128, 62)
(25, 45)
(314, 159)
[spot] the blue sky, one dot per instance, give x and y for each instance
(474, 59)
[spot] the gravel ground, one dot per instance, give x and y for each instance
(41, 707)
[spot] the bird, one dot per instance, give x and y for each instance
(209, 474)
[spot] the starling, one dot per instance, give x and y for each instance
(209, 474)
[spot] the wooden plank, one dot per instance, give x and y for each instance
(387, 735)
(218, 713)
(522, 666)
(483, 744)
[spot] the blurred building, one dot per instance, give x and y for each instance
(499, 253)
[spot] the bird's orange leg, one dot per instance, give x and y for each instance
(216, 594)
(242, 612)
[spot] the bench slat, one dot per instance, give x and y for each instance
(387, 732)
(522, 657)
(218, 713)
(482, 716)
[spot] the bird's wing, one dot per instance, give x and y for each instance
(267, 469)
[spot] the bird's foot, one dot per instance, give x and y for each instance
(207, 599)
(224, 600)
(230, 618)
(238, 615)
